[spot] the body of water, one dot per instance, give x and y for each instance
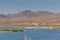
(11, 35)
(35, 34)
(30, 34)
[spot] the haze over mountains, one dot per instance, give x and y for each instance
(28, 14)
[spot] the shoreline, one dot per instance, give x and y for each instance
(35, 27)
(49, 28)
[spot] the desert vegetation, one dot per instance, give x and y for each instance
(6, 30)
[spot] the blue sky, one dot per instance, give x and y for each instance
(14, 6)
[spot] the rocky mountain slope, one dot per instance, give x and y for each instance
(28, 14)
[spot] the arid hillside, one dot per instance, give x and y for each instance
(30, 18)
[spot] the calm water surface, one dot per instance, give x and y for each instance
(35, 34)
(31, 34)
(11, 35)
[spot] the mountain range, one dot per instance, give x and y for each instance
(32, 15)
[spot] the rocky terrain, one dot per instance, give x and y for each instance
(28, 17)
